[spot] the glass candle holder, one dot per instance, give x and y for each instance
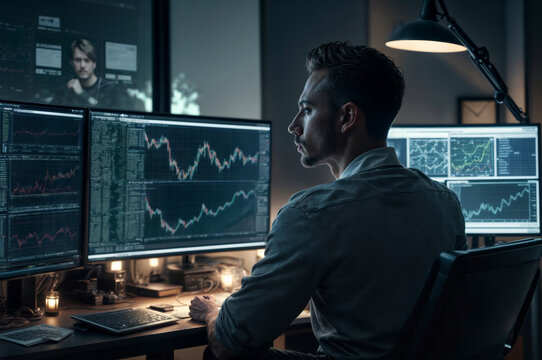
(51, 303)
(226, 279)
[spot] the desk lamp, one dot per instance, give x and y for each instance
(428, 35)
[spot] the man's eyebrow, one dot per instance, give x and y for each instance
(304, 102)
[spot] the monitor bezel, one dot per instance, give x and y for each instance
(191, 250)
(66, 264)
(505, 125)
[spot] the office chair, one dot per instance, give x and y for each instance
(473, 303)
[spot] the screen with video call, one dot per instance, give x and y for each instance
(41, 188)
(170, 184)
(37, 64)
(493, 170)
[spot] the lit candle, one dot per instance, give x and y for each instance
(226, 279)
(51, 303)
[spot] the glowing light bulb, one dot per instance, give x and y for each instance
(154, 262)
(116, 265)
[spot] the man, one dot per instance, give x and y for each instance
(358, 248)
(87, 89)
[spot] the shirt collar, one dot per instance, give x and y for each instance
(383, 156)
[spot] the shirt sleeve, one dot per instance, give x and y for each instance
(279, 288)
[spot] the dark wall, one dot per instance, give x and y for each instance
(290, 28)
(533, 61)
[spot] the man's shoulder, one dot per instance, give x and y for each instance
(317, 196)
(106, 84)
(366, 186)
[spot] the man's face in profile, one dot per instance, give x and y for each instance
(315, 125)
(82, 65)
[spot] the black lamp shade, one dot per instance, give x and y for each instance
(425, 35)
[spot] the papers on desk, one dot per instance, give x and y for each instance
(33, 335)
(180, 312)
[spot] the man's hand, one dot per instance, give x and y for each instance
(75, 86)
(203, 308)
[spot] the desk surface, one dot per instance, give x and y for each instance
(95, 344)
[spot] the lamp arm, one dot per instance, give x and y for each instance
(480, 58)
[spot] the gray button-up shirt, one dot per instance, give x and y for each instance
(358, 248)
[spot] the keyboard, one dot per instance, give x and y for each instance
(35, 334)
(126, 320)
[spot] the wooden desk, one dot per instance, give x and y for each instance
(158, 343)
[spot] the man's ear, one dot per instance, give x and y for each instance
(351, 114)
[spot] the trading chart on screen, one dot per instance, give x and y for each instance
(163, 185)
(41, 185)
(493, 170)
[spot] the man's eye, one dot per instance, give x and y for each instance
(307, 110)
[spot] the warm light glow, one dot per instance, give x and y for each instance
(260, 253)
(226, 279)
(116, 265)
(154, 262)
(425, 46)
(52, 301)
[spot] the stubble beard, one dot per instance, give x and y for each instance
(326, 149)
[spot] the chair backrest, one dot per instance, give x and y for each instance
(473, 303)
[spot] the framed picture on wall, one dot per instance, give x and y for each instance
(477, 110)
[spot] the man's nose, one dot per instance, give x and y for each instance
(294, 127)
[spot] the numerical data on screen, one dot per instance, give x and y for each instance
(171, 184)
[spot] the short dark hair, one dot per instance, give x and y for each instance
(85, 46)
(365, 76)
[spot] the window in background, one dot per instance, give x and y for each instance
(110, 65)
(215, 58)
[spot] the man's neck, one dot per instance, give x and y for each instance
(352, 151)
(90, 81)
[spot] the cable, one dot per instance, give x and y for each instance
(9, 322)
(21, 317)
(28, 313)
(213, 285)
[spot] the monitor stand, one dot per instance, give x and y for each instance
(21, 293)
(188, 262)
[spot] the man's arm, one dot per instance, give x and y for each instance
(278, 289)
(75, 86)
(204, 309)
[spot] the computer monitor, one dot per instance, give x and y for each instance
(493, 169)
(41, 188)
(164, 185)
(36, 38)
